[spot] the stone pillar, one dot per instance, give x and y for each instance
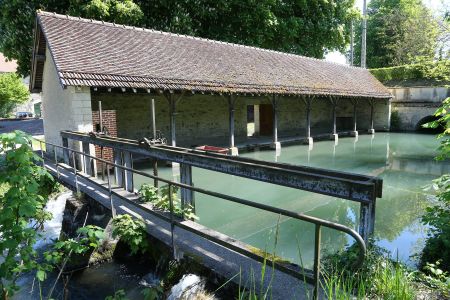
(187, 195)
(128, 163)
(233, 149)
(275, 143)
(118, 172)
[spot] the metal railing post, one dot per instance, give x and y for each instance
(42, 152)
(75, 172)
(113, 210)
(56, 162)
(172, 226)
(317, 262)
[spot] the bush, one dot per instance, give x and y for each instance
(159, 198)
(437, 246)
(131, 232)
(434, 71)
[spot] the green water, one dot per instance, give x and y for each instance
(404, 162)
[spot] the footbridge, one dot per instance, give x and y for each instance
(111, 183)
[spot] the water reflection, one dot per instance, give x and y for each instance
(404, 162)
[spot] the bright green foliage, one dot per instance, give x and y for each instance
(118, 295)
(437, 246)
(12, 92)
(22, 209)
(398, 31)
(436, 278)
(378, 278)
(117, 11)
(153, 293)
(161, 200)
(435, 72)
(132, 232)
(89, 237)
(307, 27)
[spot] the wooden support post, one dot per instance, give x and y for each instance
(231, 100)
(187, 196)
(128, 163)
(172, 110)
(275, 143)
(367, 220)
(371, 129)
(355, 131)
(334, 135)
(118, 172)
(87, 160)
(65, 143)
(309, 139)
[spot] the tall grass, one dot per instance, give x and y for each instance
(380, 277)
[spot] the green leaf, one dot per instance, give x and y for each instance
(41, 275)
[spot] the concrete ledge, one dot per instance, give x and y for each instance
(354, 133)
(233, 151)
(276, 146)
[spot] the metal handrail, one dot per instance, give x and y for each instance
(299, 216)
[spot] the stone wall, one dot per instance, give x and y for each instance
(203, 118)
(413, 104)
(63, 108)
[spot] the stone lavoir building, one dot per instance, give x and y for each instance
(206, 92)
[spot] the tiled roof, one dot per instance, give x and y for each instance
(99, 54)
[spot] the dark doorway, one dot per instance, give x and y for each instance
(427, 119)
(266, 119)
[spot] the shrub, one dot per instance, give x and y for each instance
(434, 71)
(437, 216)
(159, 198)
(131, 232)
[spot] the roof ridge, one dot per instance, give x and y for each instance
(61, 16)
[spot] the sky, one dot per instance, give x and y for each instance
(338, 57)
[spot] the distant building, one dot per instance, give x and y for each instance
(206, 92)
(34, 104)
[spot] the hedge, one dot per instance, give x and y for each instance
(433, 71)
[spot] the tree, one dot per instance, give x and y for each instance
(398, 31)
(12, 92)
(307, 27)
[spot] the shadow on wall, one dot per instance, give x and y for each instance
(425, 120)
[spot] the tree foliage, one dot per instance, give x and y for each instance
(307, 27)
(12, 92)
(398, 31)
(22, 209)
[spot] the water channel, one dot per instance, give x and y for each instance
(405, 162)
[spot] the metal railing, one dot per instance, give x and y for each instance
(176, 221)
